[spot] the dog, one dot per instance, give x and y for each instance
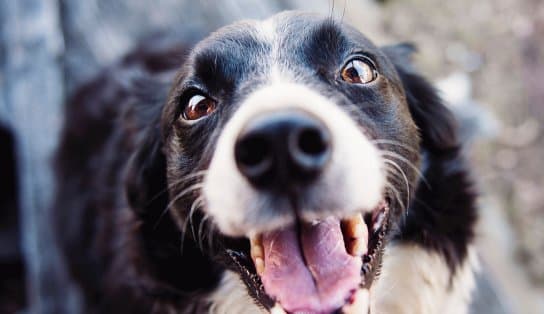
(285, 166)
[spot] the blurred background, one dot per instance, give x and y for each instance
(486, 57)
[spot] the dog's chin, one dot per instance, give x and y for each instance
(323, 266)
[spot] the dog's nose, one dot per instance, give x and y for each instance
(282, 148)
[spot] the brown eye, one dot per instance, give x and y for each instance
(198, 107)
(359, 71)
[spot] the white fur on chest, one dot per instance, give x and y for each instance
(416, 281)
(412, 281)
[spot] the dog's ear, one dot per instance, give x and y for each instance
(146, 174)
(435, 122)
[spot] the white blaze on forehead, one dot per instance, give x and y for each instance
(352, 181)
(267, 29)
(277, 71)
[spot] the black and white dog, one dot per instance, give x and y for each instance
(293, 167)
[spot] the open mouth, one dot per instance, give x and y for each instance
(324, 266)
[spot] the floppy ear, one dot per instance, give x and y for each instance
(146, 175)
(435, 122)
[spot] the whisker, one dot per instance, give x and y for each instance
(200, 229)
(408, 163)
(178, 181)
(396, 166)
(396, 143)
(191, 188)
(192, 211)
(397, 196)
(189, 219)
(210, 238)
(344, 11)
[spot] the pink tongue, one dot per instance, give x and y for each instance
(318, 278)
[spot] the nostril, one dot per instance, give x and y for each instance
(312, 142)
(253, 157)
(309, 150)
(252, 151)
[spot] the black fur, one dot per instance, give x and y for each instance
(443, 213)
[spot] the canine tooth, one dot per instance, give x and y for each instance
(358, 247)
(256, 246)
(256, 239)
(257, 253)
(277, 309)
(259, 265)
(361, 303)
(355, 235)
(354, 227)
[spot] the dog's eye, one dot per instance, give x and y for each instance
(359, 71)
(198, 107)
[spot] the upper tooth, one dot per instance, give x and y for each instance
(257, 252)
(358, 247)
(256, 246)
(355, 227)
(355, 235)
(259, 265)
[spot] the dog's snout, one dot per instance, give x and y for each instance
(282, 148)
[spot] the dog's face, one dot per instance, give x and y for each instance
(291, 145)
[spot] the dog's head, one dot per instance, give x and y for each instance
(293, 146)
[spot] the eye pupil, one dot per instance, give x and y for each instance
(358, 71)
(353, 74)
(198, 107)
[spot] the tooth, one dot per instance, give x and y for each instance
(361, 303)
(277, 309)
(358, 247)
(257, 253)
(354, 227)
(355, 235)
(259, 265)
(256, 246)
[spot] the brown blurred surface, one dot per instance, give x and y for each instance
(499, 46)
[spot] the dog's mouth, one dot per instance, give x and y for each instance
(324, 266)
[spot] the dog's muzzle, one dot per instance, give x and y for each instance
(295, 174)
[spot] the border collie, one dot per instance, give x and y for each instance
(283, 166)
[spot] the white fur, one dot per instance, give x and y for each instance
(416, 281)
(352, 181)
(267, 30)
